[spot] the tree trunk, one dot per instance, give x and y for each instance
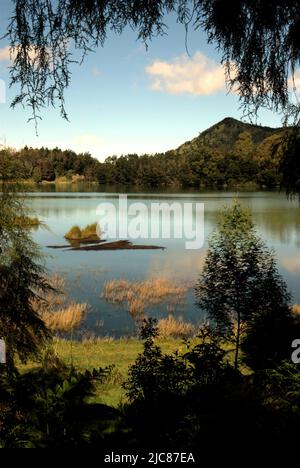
(237, 344)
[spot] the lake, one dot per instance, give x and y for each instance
(276, 217)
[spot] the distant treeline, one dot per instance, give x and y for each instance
(230, 153)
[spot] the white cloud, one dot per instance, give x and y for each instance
(8, 55)
(4, 54)
(197, 75)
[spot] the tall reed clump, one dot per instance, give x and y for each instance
(140, 295)
(171, 327)
(67, 319)
(57, 312)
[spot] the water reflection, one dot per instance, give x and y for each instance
(277, 219)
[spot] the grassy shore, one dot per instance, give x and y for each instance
(105, 352)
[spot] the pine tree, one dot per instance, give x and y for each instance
(22, 280)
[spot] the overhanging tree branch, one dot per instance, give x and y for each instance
(259, 42)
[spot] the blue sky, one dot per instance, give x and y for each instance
(125, 98)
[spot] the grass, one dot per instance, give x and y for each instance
(102, 352)
(121, 353)
(140, 295)
(77, 234)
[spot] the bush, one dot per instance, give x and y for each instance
(48, 408)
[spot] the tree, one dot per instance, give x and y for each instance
(273, 327)
(22, 281)
(239, 278)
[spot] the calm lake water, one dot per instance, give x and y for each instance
(277, 219)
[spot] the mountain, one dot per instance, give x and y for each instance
(229, 153)
(223, 135)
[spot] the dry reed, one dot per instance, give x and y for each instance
(56, 311)
(67, 319)
(171, 327)
(140, 295)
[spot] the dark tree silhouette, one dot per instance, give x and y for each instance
(273, 327)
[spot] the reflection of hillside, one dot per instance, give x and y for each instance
(62, 208)
(63, 212)
(280, 224)
(283, 226)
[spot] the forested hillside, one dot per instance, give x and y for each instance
(229, 153)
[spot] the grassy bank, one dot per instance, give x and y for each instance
(105, 352)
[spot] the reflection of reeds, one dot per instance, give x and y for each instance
(140, 295)
(58, 314)
(175, 328)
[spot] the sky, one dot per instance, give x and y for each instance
(126, 99)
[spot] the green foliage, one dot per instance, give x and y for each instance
(196, 399)
(240, 281)
(273, 327)
(282, 386)
(49, 408)
(45, 164)
(290, 166)
(229, 153)
(154, 373)
(22, 279)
